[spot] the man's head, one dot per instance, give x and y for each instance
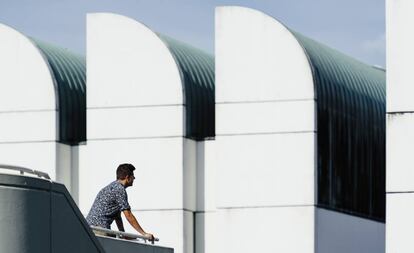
(125, 174)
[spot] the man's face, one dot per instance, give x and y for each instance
(130, 180)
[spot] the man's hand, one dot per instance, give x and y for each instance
(149, 236)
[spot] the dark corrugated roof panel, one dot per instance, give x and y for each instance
(197, 75)
(351, 131)
(69, 72)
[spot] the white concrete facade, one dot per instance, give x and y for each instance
(28, 109)
(266, 195)
(400, 123)
(400, 222)
(136, 114)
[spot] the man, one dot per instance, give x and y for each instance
(112, 200)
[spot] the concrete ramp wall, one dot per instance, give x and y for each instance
(40, 216)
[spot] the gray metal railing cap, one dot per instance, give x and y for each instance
(23, 170)
(119, 234)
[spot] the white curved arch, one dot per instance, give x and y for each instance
(257, 51)
(27, 93)
(265, 99)
(26, 82)
(265, 133)
(128, 64)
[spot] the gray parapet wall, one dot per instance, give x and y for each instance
(38, 215)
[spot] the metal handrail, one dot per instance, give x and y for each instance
(120, 234)
(23, 170)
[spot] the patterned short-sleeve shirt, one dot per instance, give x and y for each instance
(108, 204)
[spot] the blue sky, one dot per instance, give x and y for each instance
(354, 27)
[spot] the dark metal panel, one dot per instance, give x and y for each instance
(24, 219)
(351, 131)
(197, 76)
(69, 72)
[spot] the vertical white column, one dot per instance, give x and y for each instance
(265, 136)
(135, 115)
(205, 215)
(74, 173)
(64, 165)
(400, 125)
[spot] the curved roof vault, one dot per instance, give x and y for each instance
(69, 74)
(197, 75)
(351, 125)
(350, 99)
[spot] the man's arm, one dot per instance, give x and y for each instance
(119, 223)
(134, 223)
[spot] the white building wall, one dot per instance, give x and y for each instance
(28, 113)
(265, 137)
(136, 115)
(400, 125)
